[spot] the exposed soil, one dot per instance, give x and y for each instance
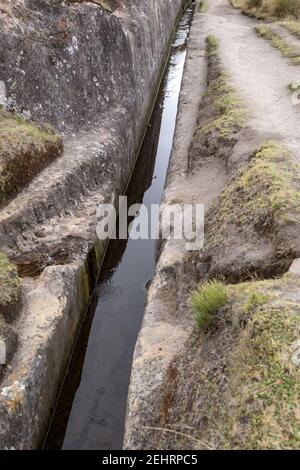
(259, 71)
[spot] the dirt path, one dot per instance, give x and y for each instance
(259, 71)
(262, 76)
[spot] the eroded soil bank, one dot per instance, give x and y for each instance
(93, 74)
(234, 382)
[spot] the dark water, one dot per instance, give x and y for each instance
(92, 406)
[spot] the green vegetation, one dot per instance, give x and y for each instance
(286, 49)
(254, 8)
(25, 149)
(207, 300)
(292, 26)
(254, 300)
(230, 113)
(237, 386)
(203, 6)
(266, 390)
(268, 33)
(295, 86)
(211, 44)
(244, 376)
(222, 112)
(15, 130)
(286, 13)
(263, 192)
(289, 8)
(266, 9)
(9, 285)
(269, 379)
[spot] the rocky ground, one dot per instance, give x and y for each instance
(235, 383)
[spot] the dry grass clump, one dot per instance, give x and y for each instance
(207, 300)
(269, 8)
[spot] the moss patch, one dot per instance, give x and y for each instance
(294, 87)
(261, 405)
(222, 113)
(230, 114)
(9, 285)
(211, 44)
(25, 149)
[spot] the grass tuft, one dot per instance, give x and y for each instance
(211, 44)
(203, 6)
(286, 49)
(287, 8)
(206, 300)
(254, 300)
(255, 3)
(230, 112)
(292, 26)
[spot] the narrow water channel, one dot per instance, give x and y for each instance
(91, 410)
